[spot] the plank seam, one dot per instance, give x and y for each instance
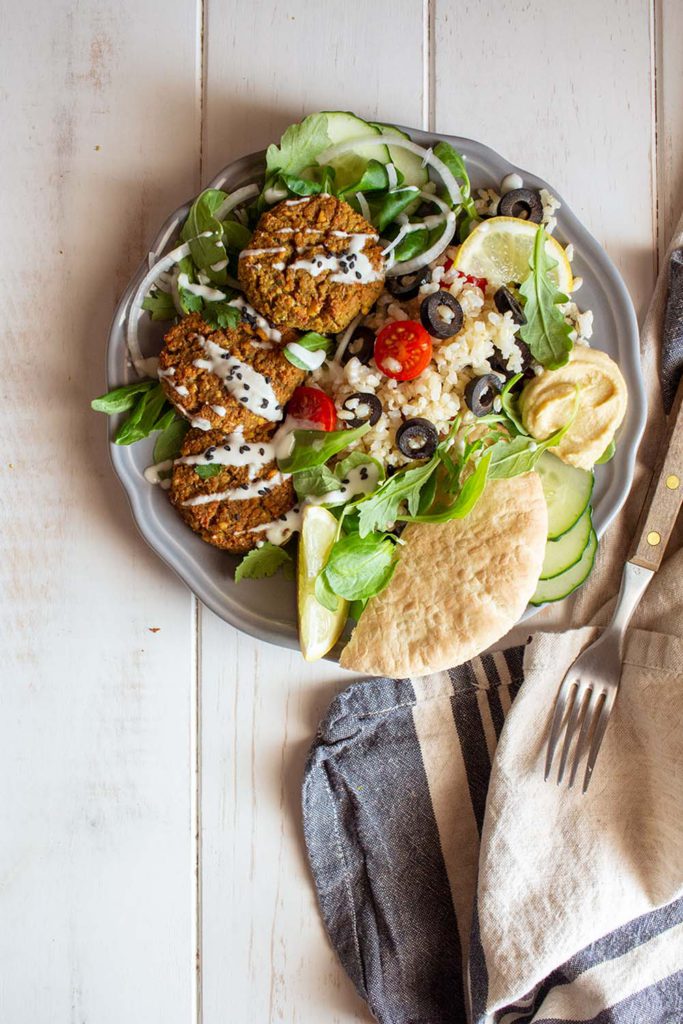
(428, 66)
(655, 55)
(196, 806)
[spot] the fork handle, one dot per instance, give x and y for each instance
(663, 501)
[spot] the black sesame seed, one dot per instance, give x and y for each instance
(238, 375)
(262, 491)
(244, 398)
(246, 387)
(245, 487)
(226, 447)
(267, 380)
(208, 456)
(262, 451)
(244, 448)
(225, 355)
(345, 481)
(363, 473)
(264, 403)
(359, 275)
(283, 519)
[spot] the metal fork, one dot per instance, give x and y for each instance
(589, 689)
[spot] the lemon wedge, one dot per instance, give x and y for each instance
(499, 249)
(319, 628)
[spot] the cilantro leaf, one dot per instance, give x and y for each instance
(170, 439)
(299, 146)
(206, 471)
(160, 304)
(546, 332)
(359, 567)
(221, 314)
(121, 399)
(261, 562)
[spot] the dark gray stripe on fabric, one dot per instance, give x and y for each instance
(491, 669)
(468, 724)
(661, 1003)
(382, 875)
(497, 713)
(478, 971)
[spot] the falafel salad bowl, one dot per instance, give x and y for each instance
(357, 403)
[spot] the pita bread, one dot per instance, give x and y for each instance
(458, 586)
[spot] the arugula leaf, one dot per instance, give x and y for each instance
(456, 165)
(121, 399)
(206, 250)
(608, 453)
(170, 440)
(317, 481)
(261, 562)
(389, 206)
(373, 178)
(510, 404)
(150, 408)
(206, 471)
(235, 235)
(520, 455)
(359, 567)
(313, 342)
(381, 508)
(221, 314)
(313, 447)
(469, 495)
(546, 332)
(160, 304)
(324, 594)
(299, 145)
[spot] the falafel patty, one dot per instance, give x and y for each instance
(212, 506)
(225, 378)
(312, 264)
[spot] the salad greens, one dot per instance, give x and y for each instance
(313, 342)
(314, 447)
(150, 410)
(169, 441)
(546, 331)
(261, 562)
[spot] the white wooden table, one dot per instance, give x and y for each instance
(151, 859)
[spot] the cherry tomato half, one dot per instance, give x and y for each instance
(403, 349)
(480, 282)
(313, 405)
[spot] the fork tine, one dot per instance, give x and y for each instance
(561, 702)
(605, 712)
(570, 732)
(590, 716)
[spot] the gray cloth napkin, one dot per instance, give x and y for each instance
(454, 883)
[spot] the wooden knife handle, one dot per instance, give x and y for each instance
(663, 501)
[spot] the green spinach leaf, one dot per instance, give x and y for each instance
(204, 232)
(324, 593)
(150, 408)
(121, 399)
(313, 447)
(359, 567)
(317, 481)
(546, 331)
(235, 235)
(169, 441)
(387, 209)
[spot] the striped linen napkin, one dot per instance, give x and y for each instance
(454, 883)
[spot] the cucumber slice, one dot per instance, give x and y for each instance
(409, 164)
(567, 492)
(563, 553)
(567, 582)
(342, 126)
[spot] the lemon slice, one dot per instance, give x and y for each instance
(319, 629)
(499, 249)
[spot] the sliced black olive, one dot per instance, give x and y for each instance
(417, 438)
(499, 363)
(366, 408)
(481, 393)
(361, 345)
(524, 203)
(441, 314)
(406, 286)
(507, 303)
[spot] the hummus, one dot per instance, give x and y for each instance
(547, 402)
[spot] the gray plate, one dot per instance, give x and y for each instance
(267, 608)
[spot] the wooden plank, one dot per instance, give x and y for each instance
(668, 26)
(565, 93)
(100, 129)
(265, 956)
